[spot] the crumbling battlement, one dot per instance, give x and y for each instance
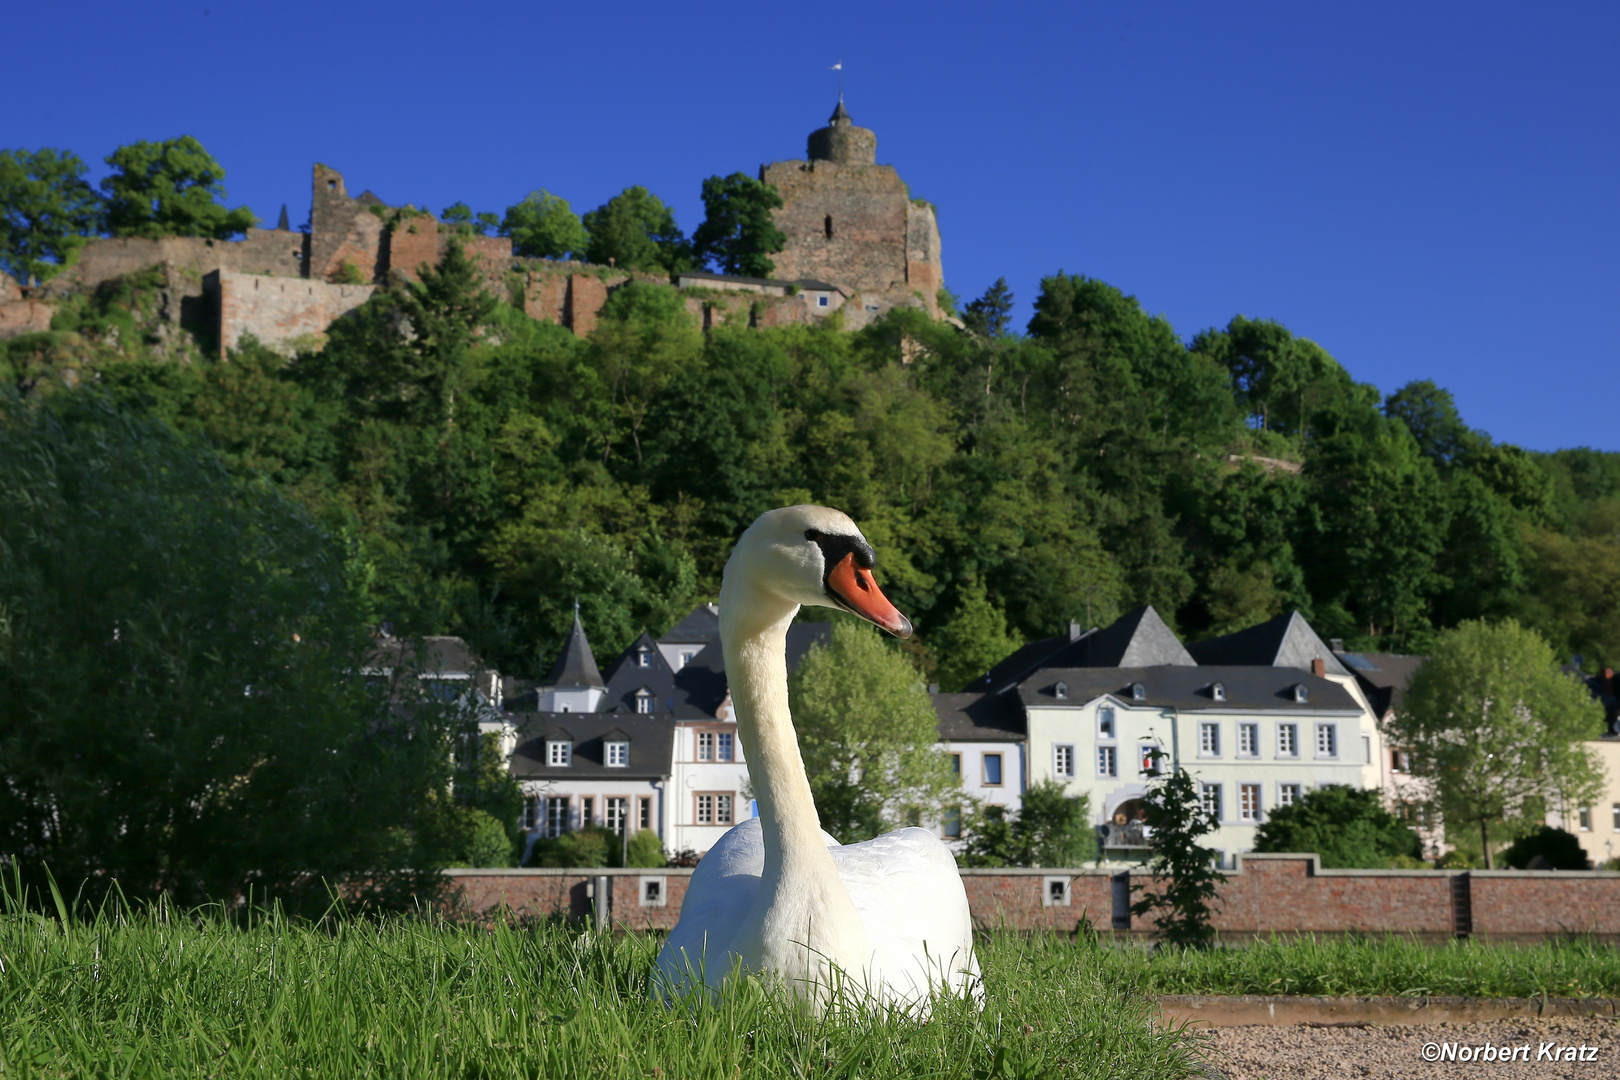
(848, 221)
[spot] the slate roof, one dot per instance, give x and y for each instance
(703, 624)
(441, 655)
(626, 678)
(576, 666)
(1286, 641)
(1138, 638)
(651, 738)
(1189, 689)
(1383, 677)
(979, 717)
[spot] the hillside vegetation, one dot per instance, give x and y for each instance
(486, 469)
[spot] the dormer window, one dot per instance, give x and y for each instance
(686, 658)
(1217, 691)
(1138, 692)
(559, 753)
(643, 658)
(1062, 691)
(644, 700)
(1301, 693)
(618, 754)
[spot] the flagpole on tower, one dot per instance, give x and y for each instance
(839, 67)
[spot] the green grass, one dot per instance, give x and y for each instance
(1364, 966)
(164, 993)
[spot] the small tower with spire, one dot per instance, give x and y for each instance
(841, 142)
(576, 684)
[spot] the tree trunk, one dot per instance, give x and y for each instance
(1485, 835)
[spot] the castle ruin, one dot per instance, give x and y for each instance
(855, 243)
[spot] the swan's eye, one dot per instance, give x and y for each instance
(813, 536)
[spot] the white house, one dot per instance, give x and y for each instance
(983, 734)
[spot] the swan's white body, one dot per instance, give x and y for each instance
(886, 919)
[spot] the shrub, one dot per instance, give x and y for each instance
(1346, 826)
(1561, 849)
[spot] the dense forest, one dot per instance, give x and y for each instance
(484, 470)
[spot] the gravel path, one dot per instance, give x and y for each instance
(1396, 1053)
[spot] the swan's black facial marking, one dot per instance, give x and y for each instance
(833, 549)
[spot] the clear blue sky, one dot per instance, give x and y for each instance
(1428, 190)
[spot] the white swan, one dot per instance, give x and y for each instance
(887, 918)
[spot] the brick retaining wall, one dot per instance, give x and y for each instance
(1266, 894)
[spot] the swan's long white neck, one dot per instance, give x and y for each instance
(804, 911)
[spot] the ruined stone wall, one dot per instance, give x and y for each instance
(412, 242)
(343, 230)
(925, 272)
(283, 313)
(864, 207)
(262, 251)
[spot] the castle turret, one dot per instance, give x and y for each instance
(842, 142)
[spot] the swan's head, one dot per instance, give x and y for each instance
(816, 557)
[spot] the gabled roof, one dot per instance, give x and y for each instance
(1383, 677)
(627, 677)
(702, 625)
(1188, 689)
(1137, 638)
(1286, 641)
(576, 666)
(651, 742)
(979, 717)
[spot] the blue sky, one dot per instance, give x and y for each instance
(1428, 190)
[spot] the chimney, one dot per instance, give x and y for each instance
(1074, 630)
(1319, 667)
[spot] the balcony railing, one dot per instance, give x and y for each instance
(1134, 834)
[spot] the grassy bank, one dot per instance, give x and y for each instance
(191, 995)
(1359, 967)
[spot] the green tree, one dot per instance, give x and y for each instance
(973, 640)
(634, 230)
(1050, 829)
(178, 653)
(1562, 850)
(1430, 414)
(171, 188)
(869, 736)
(47, 211)
(991, 314)
(738, 234)
(461, 219)
(1184, 876)
(543, 227)
(1495, 728)
(1347, 827)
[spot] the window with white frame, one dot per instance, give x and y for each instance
(722, 809)
(644, 812)
(705, 809)
(587, 811)
(559, 753)
(723, 743)
(1217, 691)
(686, 658)
(1586, 819)
(1366, 749)
(556, 815)
(1061, 691)
(1248, 740)
(1288, 740)
(1209, 739)
(616, 813)
(1063, 762)
(644, 700)
(1248, 802)
(1144, 757)
(1288, 794)
(1400, 761)
(1617, 817)
(644, 658)
(618, 754)
(705, 746)
(1209, 796)
(531, 813)
(956, 765)
(1108, 761)
(1327, 740)
(1105, 722)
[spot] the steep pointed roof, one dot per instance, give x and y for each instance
(839, 114)
(1138, 638)
(1286, 641)
(576, 666)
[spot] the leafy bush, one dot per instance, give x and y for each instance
(1561, 849)
(646, 850)
(1050, 830)
(488, 843)
(1347, 827)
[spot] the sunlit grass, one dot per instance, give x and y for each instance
(1363, 966)
(158, 992)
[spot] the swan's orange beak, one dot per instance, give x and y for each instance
(854, 587)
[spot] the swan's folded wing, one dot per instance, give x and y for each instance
(910, 898)
(718, 898)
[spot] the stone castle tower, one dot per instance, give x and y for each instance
(849, 221)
